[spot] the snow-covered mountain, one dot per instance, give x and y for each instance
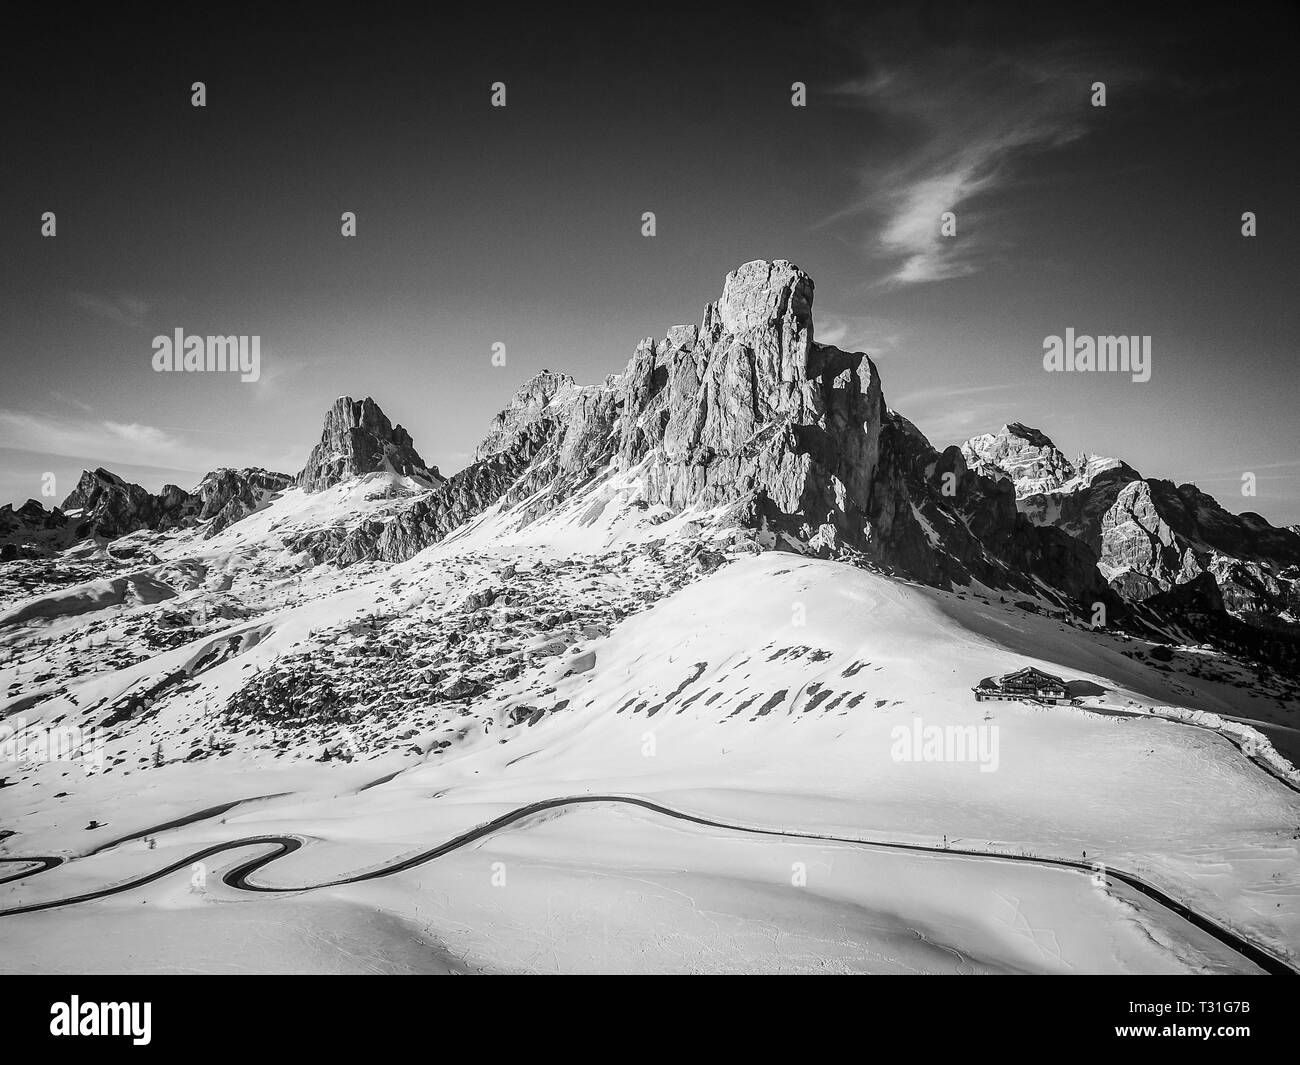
(357, 439)
(1148, 534)
(730, 583)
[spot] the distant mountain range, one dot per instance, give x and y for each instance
(728, 586)
(755, 427)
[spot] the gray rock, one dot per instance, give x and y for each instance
(748, 416)
(358, 439)
(225, 495)
(110, 507)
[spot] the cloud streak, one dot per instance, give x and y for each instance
(110, 443)
(949, 414)
(952, 129)
(123, 309)
(857, 332)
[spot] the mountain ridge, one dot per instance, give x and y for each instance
(770, 436)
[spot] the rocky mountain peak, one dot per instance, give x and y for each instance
(225, 495)
(530, 403)
(358, 439)
(90, 485)
(1031, 436)
(759, 294)
(765, 433)
(31, 515)
(748, 421)
(109, 506)
(1023, 455)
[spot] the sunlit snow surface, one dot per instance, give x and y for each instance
(763, 695)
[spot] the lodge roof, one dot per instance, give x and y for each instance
(1032, 674)
(1022, 680)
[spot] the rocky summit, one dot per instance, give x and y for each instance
(1148, 535)
(358, 439)
(724, 579)
(746, 419)
(761, 435)
(108, 506)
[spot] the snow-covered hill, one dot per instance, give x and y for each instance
(730, 585)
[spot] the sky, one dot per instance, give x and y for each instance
(522, 225)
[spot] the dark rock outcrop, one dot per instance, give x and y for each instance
(430, 517)
(225, 495)
(109, 507)
(747, 418)
(30, 517)
(106, 506)
(31, 531)
(1149, 535)
(358, 439)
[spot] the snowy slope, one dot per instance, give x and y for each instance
(767, 694)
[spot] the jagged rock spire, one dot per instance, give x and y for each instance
(357, 439)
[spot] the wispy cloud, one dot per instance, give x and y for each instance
(949, 414)
(952, 127)
(70, 401)
(110, 443)
(122, 309)
(857, 332)
(945, 426)
(949, 393)
(1287, 465)
(136, 435)
(277, 370)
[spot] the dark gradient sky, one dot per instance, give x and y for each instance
(522, 225)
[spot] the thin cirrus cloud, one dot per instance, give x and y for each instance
(105, 443)
(122, 309)
(951, 130)
(857, 332)
(70, 401)
(951, 413)
(277, 370)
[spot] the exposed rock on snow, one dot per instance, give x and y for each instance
(1148, 535)
(104, 505)
(109, 507)
(1021, 455)
(225, 496)
(357, 439)
(747, 417)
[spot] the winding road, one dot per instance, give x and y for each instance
(238, 877)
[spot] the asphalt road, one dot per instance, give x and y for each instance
(239, 876)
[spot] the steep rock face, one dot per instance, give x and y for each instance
(225, 495)
(1149, 535)
(1022, 455)
(30, 531)
(31, 516)
(107, 506)
(110, 507)
(748, 411)
(432, 516)
(1081, 506)
(358, 439)
(743, 411)
(746, 417)
(1201, 520)
(1158, 534)
(973, 528)
(1139, 547)
(528, 405)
